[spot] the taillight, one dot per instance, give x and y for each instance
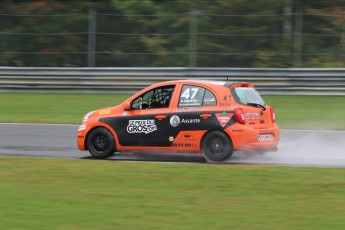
(273, 115)
(239, 115)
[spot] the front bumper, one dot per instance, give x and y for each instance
(81, 135)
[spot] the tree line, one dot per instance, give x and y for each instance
(153, 33)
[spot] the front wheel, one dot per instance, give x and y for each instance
(217, 146)
(101, 143)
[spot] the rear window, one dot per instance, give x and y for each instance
(245, 95)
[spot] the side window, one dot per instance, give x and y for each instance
(209, 99)
(155, 98)
(196, 96)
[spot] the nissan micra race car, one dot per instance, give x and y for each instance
(209, 117)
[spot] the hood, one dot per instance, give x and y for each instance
(105, 112)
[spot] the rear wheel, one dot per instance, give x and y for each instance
(217, 146)
(101, 143)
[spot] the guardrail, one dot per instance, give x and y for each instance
(268, 81)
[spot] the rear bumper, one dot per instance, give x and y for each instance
(247, 138)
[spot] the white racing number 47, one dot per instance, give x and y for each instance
(186, 93)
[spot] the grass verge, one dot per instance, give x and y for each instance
(309, 112)
(294, 112)
(82, 194)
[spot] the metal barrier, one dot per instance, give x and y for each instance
(268, 81)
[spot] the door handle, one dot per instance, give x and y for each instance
(160, 117)
(205, 115)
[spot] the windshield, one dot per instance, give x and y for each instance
(247, 95)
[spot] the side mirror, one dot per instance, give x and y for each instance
(127, 106)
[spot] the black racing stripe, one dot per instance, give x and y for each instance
(189, 121)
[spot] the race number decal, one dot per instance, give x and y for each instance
(191, 96)
(186, 94)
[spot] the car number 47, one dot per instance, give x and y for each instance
(186, 93)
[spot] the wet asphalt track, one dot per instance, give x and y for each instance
(297, 148)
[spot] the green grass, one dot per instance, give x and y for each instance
(53, 108)
(309, 112)
(82, 194)
(300, 112)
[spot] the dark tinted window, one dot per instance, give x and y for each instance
(209, 99)
(155, 98)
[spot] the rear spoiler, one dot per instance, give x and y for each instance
(238, 84)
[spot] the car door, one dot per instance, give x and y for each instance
(196, 111)
(146, 122)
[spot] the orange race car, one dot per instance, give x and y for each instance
(209, 117)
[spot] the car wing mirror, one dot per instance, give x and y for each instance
(127, 106)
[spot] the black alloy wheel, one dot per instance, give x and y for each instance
(216, 146)
(101, 143)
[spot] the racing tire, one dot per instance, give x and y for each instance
(100, 143)
(216, 146)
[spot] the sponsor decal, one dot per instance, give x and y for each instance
(184, 145)
(209, 99)
(171, 138)
(141, 126)
(187, 102)
(82, 127)
(188, 137)
(104, 111)
(175, 121)
(266, 137)
(191, 121)
(188, 109)
(237, 130)
(226, 100)
(224, 118)
(252, 116)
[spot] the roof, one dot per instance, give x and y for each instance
(222, 83)
(228, 84)
(204, 81)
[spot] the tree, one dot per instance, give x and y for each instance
(43, 33)
(150, 33)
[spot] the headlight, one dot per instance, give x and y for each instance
(86, 117)
(81, 128)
